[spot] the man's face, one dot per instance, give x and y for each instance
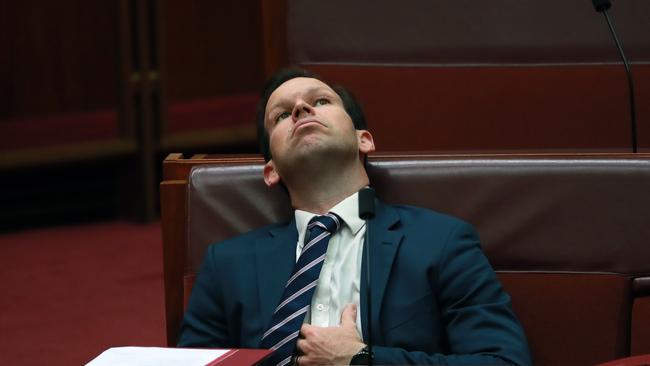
(305, 118)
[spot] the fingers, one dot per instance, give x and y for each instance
(349, 315)
(306, 329)
(303, 360)
(301, 345)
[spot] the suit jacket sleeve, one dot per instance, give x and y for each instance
(204, 323)
(476, 314)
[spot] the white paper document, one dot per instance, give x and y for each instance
(156, 356)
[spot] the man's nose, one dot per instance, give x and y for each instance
(301, 108)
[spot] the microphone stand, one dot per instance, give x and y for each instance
(367, 213)
(601, 6)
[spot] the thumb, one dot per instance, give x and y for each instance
(349, 316)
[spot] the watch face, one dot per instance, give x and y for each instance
(361, 358)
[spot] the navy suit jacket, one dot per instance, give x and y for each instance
(435, 298)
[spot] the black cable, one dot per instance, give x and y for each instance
(601, 6)
(369, 297)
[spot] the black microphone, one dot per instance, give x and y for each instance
(602, 6)
(367, 213)
(367, 204)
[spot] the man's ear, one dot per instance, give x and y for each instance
(366, 142)
(271, 176)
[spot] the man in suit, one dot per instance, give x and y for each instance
(435, 298)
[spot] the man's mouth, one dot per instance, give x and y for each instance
(305, 123)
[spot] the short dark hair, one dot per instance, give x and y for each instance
(351, 105)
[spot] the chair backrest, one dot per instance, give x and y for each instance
(501, 75)
(568, 235)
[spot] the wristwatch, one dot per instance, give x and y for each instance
(362, 357)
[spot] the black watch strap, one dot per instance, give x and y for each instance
(362, 357)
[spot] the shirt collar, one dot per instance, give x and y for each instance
(348, 210)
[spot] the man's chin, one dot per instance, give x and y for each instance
(316, 148)
(309, 143)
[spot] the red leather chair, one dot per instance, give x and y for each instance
(567, 234)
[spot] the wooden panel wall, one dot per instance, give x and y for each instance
(58, 57)
(212, 69)
(211, 48)
(90, 81)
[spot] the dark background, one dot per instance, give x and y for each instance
(95, 94)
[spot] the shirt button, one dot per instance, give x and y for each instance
(320, 307)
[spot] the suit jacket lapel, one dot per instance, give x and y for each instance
(385, 237)
(276, 257)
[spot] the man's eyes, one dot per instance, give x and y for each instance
(321, 101)
(287, 114)
(282, 116)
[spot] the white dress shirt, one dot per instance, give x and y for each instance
(339, 282)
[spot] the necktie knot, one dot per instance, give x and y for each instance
(329, 222)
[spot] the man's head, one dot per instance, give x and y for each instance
(350, 104)
(306, 124)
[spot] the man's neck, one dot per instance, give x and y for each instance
(321, 191)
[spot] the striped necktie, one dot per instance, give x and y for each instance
(289, 315)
